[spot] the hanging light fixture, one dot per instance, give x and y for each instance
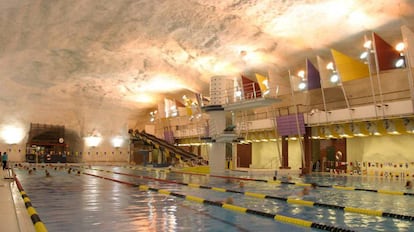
(364, 55)
(368, 44)
(334, 78)
(400, 63)
(330, 66)
(302, 85)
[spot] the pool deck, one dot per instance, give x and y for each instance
(13, 213)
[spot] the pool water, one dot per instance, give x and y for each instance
(70, 202)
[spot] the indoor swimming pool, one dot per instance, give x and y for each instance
(108, 198)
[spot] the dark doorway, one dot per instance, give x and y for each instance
(244, 155)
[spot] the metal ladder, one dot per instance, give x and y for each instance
(273, 118)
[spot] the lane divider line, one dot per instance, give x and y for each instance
(37, 223)
(340, 187)
(369, 212)
(239, 209)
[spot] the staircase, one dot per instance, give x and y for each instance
(181, 154)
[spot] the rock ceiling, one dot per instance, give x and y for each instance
(127, 55)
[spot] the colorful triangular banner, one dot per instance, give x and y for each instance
(349, 68)
(263, 83)
(387, 56)
(251, 89)
(313, 77)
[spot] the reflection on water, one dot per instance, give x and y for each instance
(69, 202)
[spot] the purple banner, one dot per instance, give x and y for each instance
(287, 125)
(314, 79)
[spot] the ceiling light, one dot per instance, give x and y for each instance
(301, 73)
(12, 134)
(368, 44)
(143, 98)
(93, 141)
(334, 78)
(400, 63)
(117, 142)
(394, 132)
(302, 85)
(238, 93)
(364, 55)
(400, 47)
(330, 66)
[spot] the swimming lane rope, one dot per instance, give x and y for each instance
(370, 212)
(38, 224)
(349, 188)
(280, 218)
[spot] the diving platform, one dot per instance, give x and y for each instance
(251, 103)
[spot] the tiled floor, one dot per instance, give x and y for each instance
(13, 213)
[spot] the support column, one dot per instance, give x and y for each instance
(308, 151)
(340, 146)
(217, 159)
(217, 153)
(285, 153)
(159, 158)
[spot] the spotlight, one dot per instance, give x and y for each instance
(330, 66)
(363, 55)
(93, 141)
(334, 78)
(302, 85)
(301, 74)
(368, 44)
(12, 134)
(400, 47)
(400, 63)
(117, 141)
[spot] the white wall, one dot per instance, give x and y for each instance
(106, 153)
(391, 148)
(16, 152)
(108, 118)
(295, 155)
(103, 153)
(266, 155)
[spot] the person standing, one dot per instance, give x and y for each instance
(4, 159)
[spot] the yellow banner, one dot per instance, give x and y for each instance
(349, 68)
(263, 83)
